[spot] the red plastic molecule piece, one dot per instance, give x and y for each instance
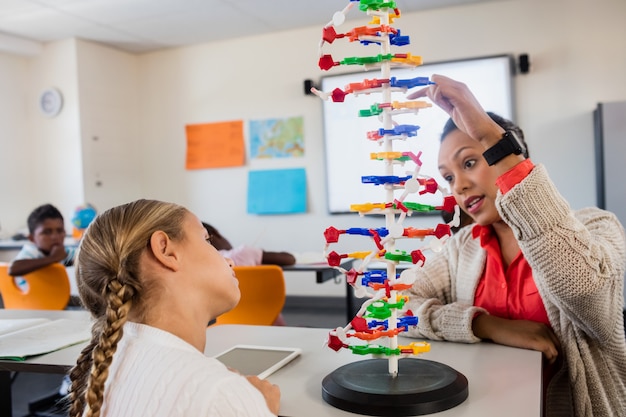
(387, 289)
(448, 204)
(376, 238)
(359, 324)
(334, 259)
(374, 135)
(351, 276)
(338, 95)
(418, 256)
(335, 343)
(326, 62)
(442, 230)
(332, 235)
(329, 34)
(400, 206)
(430, 186)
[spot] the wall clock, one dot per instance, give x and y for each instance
(51, 102)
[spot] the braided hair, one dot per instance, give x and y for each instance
(109, 278)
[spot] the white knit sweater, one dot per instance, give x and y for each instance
(578, 260)
(157, 374)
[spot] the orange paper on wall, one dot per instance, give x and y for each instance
(215, 145)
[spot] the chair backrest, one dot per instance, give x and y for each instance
(48, 289)
(262, 296)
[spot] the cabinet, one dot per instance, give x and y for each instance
(610, 145)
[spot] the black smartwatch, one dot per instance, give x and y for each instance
(509, 144)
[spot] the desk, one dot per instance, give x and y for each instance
(502, 380)
(9, 248)
(58, 362)
(323, 273)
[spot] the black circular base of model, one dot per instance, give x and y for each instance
(421, 387)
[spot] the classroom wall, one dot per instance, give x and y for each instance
(42, 161)
(109, 128)
(14, 143)
(577, 56)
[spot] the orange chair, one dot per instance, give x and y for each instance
(48, 289)
(262, 296)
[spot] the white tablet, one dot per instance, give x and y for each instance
(261, 361)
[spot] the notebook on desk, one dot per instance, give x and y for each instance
(21, 338)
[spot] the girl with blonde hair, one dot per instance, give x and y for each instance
(152, 281)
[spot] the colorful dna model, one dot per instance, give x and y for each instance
(383, 316)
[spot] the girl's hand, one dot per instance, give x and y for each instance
(518, 333)
(270, 391)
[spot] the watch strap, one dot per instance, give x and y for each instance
(505, 147)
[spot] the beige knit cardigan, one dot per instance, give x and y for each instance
(578, 260)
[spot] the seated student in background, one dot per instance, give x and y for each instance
(46, 233)
(531, 273)
(247, 255)
(152, 281)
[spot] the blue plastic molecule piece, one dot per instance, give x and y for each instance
(398, 40)
(376, 276)
(384, 179)
(410, 83)
(407, 321)
(367, 232)
(409, 130)
(358, 231)
(376, 323)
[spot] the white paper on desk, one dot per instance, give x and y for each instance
(43, 338)
(12, 325)
(304, 258)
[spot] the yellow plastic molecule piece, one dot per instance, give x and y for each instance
(366, 206)
(386, 155)
(408, 59)
(411, 105)
(359, 255)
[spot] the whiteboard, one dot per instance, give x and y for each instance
(347, 149)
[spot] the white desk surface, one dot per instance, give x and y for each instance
(503, 381)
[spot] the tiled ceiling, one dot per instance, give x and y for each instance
(140, 26)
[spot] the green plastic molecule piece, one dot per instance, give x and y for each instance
(422, 208)
(366, 5)
(399, 255)
(379, 310)
(363, 60)
(373, 350)
(374, 110)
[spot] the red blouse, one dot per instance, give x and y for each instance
(510, 293)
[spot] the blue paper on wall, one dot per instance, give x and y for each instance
(277, 191)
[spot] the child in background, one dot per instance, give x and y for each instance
(247, 255)
(152, 281)
(46, 234)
